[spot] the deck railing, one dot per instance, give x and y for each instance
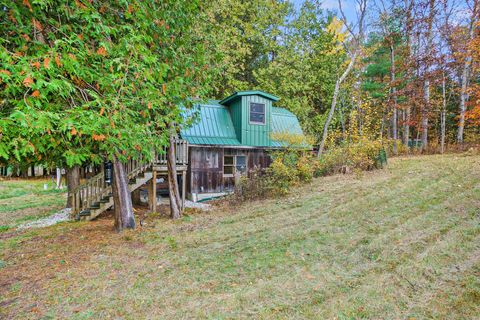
(181, 154)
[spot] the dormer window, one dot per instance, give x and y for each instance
(257, 113)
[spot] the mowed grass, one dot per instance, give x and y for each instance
(25, 200)
(398, 243)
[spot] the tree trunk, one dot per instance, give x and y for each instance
(334, 102)
(58, 180)
(406, 126)
(175, 203)
(426, 107)
(442, 116)
(394, 98)
(73, 180)
(122, 200)
(466, 76)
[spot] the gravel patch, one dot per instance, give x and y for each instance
(62, 215)
(197, 205)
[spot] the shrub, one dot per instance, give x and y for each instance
(292, 166)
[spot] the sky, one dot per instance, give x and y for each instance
(347, 5)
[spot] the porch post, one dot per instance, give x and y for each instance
(154, 191)
(184, 187)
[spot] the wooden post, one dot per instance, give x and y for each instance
(136, 197)
(184, 187)
(150, 191)
(154, 191)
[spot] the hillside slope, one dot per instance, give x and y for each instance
(403, 242)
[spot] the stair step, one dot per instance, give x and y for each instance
(105, 200)
(95, 205)
(84, 213)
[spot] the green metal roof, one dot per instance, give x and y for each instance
(248, 93)
(214, 126)
(284, 121)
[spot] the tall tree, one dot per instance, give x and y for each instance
(474, 8)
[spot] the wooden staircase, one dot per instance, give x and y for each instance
(93, 197)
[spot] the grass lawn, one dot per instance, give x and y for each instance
(25, 200)
(398, 243)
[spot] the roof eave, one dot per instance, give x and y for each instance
(248, 93)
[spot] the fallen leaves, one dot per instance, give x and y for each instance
(36, 93)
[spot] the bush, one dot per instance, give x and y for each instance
(362, 155)
(292, 166)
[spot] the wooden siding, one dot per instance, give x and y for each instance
(205, 172)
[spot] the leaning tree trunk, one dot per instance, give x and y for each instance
(122, 200)
(73, 180)
(334, 103)
(175, 203)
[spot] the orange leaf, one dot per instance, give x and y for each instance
(25, 2)
(36, 64)
(164, 88)
(46, 63)
(98, 137)
(28, 82)
(57, 61)
(72, 56)
(149, 105)
(5, 72)
(37, 24)
(102, 111)
(73, 131)
(36, 93)
(26, 37)
(102, 51)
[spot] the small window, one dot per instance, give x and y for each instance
(228, 166)
(257, 113)
(241, 164)
(233, 165)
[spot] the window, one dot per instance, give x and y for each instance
(257, 113)
(234, 164)
(241, 164)
(228, 166)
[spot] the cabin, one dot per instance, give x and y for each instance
(232, 137)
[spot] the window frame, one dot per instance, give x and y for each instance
(264, 113)
(234, 165)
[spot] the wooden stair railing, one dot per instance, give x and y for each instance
(95, 195)
(93, 192)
